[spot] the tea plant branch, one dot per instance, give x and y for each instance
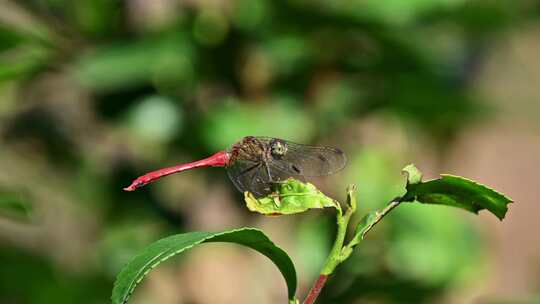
(335, 256)
(293, 196)
(316, 289)
(449, 190)
(380, 215)
(340, 253)
(367, 223)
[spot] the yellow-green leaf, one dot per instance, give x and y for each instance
(290, 197)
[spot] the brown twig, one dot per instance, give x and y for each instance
(316, 289)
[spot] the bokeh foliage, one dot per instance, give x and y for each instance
(95, 92)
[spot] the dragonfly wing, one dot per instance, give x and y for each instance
(310, 160)
(257, 163)
(250, 176)
(278, 174)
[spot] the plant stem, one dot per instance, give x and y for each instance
(380, 215)
(316, 289)
(340, 253)
(335, 256)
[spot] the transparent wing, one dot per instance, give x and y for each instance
(277, 174)
(309, 160)
(250, 176)
(256, 169)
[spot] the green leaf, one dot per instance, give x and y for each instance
(291, 196)
(15, 205)
(366, 223)
(162, 250)
(414, 176)
(161, 59)
(22, 61)
(455, 191)
(232, 118)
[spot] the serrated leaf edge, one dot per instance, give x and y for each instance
(479, 184)
(211, 235)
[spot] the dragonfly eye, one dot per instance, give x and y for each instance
(278, 149)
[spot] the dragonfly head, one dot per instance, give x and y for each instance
(278, 148)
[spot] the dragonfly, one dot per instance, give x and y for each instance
(256, 164)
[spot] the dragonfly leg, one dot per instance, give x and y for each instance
(268, 172)
(245, 171)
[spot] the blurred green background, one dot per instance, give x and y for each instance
(94, 93)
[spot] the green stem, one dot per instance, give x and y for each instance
(335, 256)
(340, 253)
(379, 215)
